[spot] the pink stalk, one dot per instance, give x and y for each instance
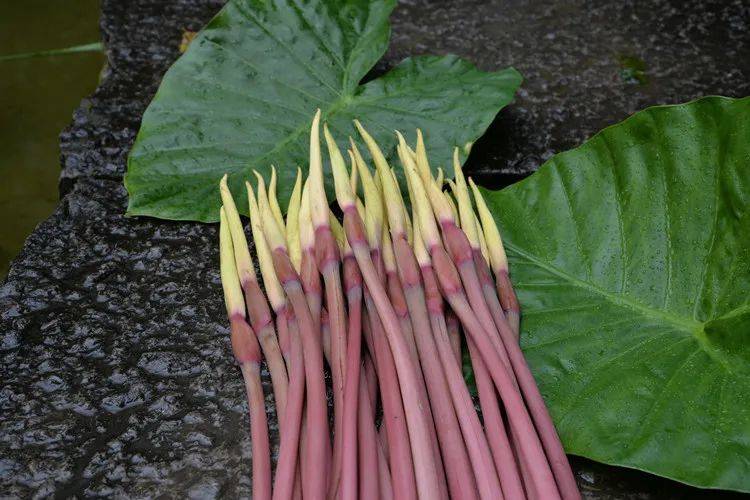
(317, 446)
(287, 473)
(311, 284)
(496, 254)
(370, 373)
(394, 418)
(399, 226)
(454, 334)
(258, 312)
(261, 321)
(398, 299)
(353, 283)
(315, 442)
(509, 301)
(328, 263)
(485, 472)
(328, 260)
(308, 268)
(325, 334)
(247, 353)
(453, 290)
(502, 453)
(487, 396)
(534, 401)
(397, 296)
(370, 370)
(367, 447)
(385, 485)
(486, 475)
(528, 440)
(459, 249)
(417, 416)
(402, 309)
(457, 465)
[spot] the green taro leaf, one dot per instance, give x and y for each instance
(243, 96)
(631, 257)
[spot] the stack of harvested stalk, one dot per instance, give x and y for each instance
(401, 292)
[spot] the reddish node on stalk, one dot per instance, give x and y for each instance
(394, 418)
(247, 353)
(308, 268)
(498, 261)
(257, 305)
(317, 445)
(286, 465)
(396, 294)
(271, 283)
(328, 257)
(453, 291)
(349, 468)
(537, 408)
(425, 467)
(367, 458)
(528, 440)
(476, 442)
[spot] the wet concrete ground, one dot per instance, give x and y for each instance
(116, 372)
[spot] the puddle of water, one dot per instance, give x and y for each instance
(37, 98)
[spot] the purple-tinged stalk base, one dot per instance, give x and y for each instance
(478, 449)
(502, 453)
(262, 323)
(353, 282)
(458, 471)
(310, 279)
(247, 353)
(327, 257)
(462, 254)
(394, 418)
(317, 445)
(454, 335)
(369, 487)
(509, 301)
(287, 474)
(519, 419)
(425, 471)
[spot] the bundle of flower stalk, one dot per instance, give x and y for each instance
(386, 299)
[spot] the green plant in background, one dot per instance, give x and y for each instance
(37, 98)
(631, 257)
(87, 47)
(241, 98)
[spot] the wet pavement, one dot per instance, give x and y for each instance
(117, 377)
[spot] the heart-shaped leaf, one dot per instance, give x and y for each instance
(631, 257)
(243, 95)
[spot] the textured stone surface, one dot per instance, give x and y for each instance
(116, 372)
